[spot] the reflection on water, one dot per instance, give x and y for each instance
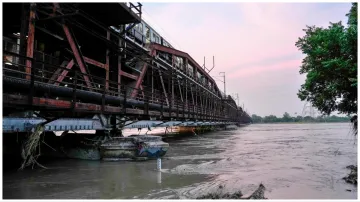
(291, 160)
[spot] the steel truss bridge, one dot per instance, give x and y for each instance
(76, 67)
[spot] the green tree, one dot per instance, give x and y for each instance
(286, 117)
(270, 119)
(307, 119)
(298, 119)
(331, 66)
(256, 119)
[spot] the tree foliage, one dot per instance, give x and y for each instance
(331, 66)
(298, 119)
(287, 117)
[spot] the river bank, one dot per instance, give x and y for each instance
(352, 177)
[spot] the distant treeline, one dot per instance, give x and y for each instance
(307, 119)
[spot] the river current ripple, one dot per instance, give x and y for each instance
(293, 161)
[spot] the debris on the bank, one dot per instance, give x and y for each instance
(352, 177)
(30, 148)
(257, 194)
(354, 121)
(236, 195)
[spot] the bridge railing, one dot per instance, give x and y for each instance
(47, 69)
(15, 65)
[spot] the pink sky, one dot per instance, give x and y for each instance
(254, 43)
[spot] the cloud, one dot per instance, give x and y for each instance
(255, 70)
(249, 41)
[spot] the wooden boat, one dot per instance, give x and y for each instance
(138, 147)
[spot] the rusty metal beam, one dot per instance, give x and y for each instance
(52, 104)
(91, 61)
(64, 73)
(30, 40)
(163, 87)
(141, 77)
(77, 55)
(56, 73)
(60, 104)
(122, 73)
(183, 55)
(139, 80)
(94, 62)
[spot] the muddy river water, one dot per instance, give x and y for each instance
(293, 161)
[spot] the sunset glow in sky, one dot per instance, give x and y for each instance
(254, 43)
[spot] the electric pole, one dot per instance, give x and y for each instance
(223, 74)
(238, 101)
